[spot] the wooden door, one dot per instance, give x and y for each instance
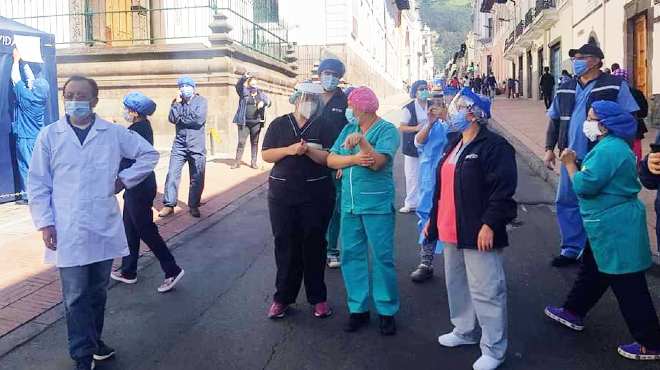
(119, 22)
(640, 71)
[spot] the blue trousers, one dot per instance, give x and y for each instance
(24, 147)
(196, 166)
(573, 235)
(85, 291)
(359, 235)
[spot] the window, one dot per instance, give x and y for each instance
(265, 11)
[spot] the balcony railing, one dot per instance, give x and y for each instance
(509, 41)
(529, 17)
(545, 4)
(519, 28)
(254, 25)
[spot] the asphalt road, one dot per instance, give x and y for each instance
(216, 318)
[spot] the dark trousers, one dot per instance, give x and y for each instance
(547, 98)
(196, 166)
(252, 130)
(632, 292)
(84, 289)
(300, 248)
(139, 225)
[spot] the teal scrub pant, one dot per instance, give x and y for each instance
(332, 236)
(359, 233)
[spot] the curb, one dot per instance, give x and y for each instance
(533, 161)
(30, 329)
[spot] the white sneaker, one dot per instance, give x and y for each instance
(405, 209)
(486, 363)
(451, 340)
(118, 276)
(333, 262)
(169, 283)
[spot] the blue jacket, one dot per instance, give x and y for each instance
(243, 95)
(190, 119)
(484, 182)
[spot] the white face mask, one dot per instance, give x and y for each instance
(307, 109)
(591, 130)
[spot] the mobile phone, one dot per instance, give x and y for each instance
(655, 148)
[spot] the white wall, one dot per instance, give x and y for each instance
(28, 10)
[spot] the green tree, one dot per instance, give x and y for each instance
(451, 20)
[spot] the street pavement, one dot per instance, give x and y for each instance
(216, 318)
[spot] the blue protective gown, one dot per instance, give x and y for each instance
(573, 235)
(28, 121)
(430, 154)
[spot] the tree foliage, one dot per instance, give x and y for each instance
(451, 19)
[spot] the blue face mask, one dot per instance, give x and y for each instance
(329, 82)
(350, 117)
(187, 91)
(77, 109)
(458, 122)
(580, 67)
(423, 95)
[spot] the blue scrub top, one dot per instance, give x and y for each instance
(576, 139)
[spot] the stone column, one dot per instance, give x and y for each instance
(220, 28)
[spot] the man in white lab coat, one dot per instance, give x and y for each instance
(72, 181)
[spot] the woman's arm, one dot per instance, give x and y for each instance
(379, 160)
(338, 161)
(275, 155)
(317, 155)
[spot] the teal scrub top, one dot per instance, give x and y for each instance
(614, 218)
(365, 191)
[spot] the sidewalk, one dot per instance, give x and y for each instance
(30, 290)
(523, 122)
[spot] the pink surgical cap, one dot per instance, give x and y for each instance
(363, 99)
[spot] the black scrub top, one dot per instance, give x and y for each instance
(298, 178)
(334, 111)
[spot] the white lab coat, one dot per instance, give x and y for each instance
(71, 186)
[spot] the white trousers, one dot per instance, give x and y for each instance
(411, 169)
(476, 289)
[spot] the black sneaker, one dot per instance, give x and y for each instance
(563, 261)
(194, 211)
(421, 273)
(356, 321)
(103, 352)
(387, 325)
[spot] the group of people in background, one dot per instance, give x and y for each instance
(331, 198)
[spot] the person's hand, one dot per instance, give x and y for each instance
(177, 98)
(485, 238)
(260, 105)
(550, 159)
(425, 230)
(339, 174)
(567, 157)
(654, 163)
(16, 55)
(352, 140)
(364, 159)
(49, 236)
(119, 186)
(298, 148)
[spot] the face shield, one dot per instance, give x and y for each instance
(307, 99)
(467, 101)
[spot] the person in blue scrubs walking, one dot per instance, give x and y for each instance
(567, 114)
(365, 151)
(188, 113)
(31, 100)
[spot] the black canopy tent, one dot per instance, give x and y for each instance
(47, 70)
